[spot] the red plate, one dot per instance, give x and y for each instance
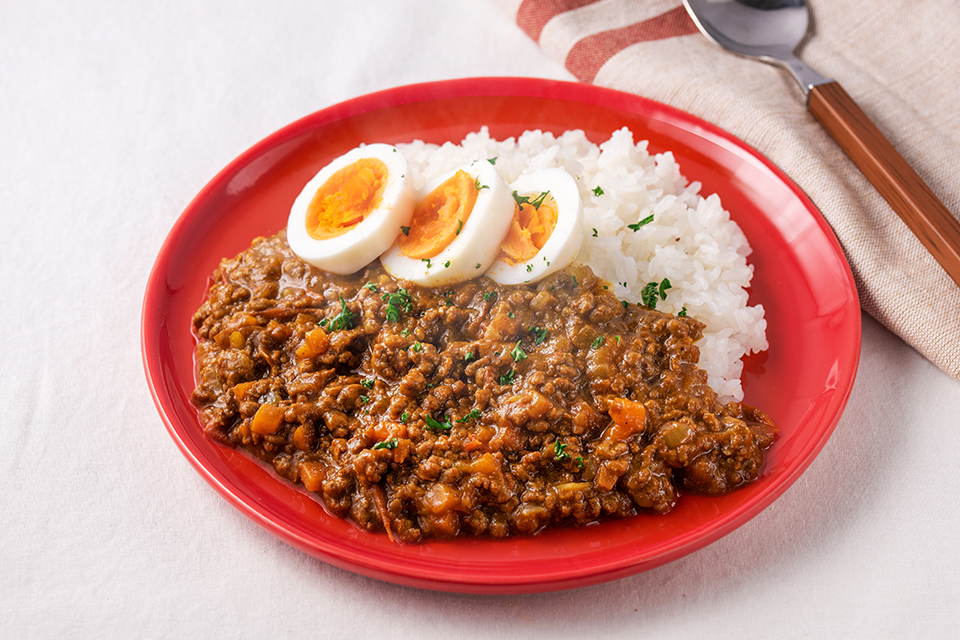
(802, 280)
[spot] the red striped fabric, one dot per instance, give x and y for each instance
(589, 54)
(533, 15)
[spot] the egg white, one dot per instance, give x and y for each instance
(360, 245)
(471, 252)
(563, 244)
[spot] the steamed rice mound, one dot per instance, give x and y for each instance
(691, 241)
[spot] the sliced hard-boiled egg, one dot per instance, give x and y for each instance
(352, 210)
(456, 228)
(545, 233)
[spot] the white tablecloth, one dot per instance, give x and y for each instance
(113, 116)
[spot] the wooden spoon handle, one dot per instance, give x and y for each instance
(886, 169)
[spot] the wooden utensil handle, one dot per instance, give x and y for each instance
(886, 169)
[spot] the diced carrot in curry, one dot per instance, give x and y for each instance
(312, 475)
(267, 420)
(440, 498)
(628, 417)
(384, 430)
(315, 343)
(303, 438)
(484, 464)
(240, 391)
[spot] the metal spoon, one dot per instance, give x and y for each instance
(770, 30)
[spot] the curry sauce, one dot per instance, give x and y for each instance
(469, 409)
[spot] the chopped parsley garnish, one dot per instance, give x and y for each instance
(575, 283)
(459, 227)
(664, 285)
(625, 303)
(436, 425)
(637, 226)
(597, 191)
(404, 417)
(371, 287)
(492, 160)
(478, 266)
(480, 186)
(427, 260)
(559, 450)
(507, 378)
(405, 333)
(417, 347)
(649, 294)
(682, 313)
(397, 302)
(386, 444)
(651, 291)
(518, 354)
(534, 202)
(529, 268)
(468, 356)
(511, 315)
(579, 460)
(594, 232)
(343, 320)
(446, 265)
(617, 338)
(597, 342)
(473, 415)
(539, 199)
(539, 335)
(487, 295)
(405, 231)
(368, 383)
(364, 399)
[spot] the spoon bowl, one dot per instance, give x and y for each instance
(768, 30)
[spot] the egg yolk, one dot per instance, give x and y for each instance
(346, 198)
(529, 231)
(438, 218)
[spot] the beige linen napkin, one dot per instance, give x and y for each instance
(899, 60)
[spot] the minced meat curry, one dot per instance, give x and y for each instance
(475, 408)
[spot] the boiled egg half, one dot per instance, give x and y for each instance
(545, 231)
(353, 209)
(456, 228)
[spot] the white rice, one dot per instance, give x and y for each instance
(692, 241)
